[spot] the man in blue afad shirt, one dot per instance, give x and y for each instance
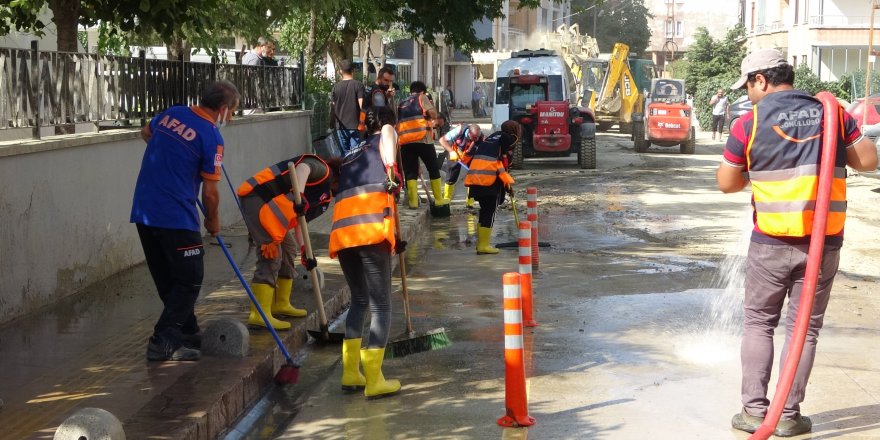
(184, 152)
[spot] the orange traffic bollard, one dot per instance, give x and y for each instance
(515, 398)
(525, 273)
(532, 210)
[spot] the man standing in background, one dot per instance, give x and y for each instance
(346, 100)
(719, 113)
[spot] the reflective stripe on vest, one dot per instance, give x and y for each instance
(784, 185)
(363, 212)
(272, 185)
(411, 124)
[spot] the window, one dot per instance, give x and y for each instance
(679, 29)
(669, 29)
(674, 29)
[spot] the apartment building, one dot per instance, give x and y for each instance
(675, 23)
(831, 36)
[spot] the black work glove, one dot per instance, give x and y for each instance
(399, 246)
(301, 208)
(308, 263)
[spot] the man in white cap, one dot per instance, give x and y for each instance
(779, 144)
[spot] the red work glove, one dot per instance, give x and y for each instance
(392, 186)
(271, 251)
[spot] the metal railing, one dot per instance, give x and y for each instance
(39, 88)
(840, 20)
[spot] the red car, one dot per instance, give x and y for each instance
(857, 110)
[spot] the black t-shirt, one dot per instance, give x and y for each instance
(344, 97)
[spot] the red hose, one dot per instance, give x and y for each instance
(811, 277)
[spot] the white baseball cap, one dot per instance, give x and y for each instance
(757, 61)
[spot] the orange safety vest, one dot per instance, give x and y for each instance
(412, 124)
(272, 185)
(784, 185)
(363, 213)
(484, 166)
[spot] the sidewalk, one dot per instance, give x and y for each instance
(88, 351)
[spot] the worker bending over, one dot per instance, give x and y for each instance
(270, 214)
(488, 179)
(456, 142)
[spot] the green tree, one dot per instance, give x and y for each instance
(713, 65)
(617, 21)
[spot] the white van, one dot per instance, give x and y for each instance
(541, 61)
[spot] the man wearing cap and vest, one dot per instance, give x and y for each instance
(380, 94)
(363, 237)
(487, 178)
(416, 114)
(270, 213)
(456, 142)
(779, 144)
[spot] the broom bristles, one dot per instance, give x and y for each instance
(417, 343)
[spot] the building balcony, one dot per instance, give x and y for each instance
(840, 21)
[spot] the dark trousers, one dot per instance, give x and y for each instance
(774, 272)
(410, 155)
(367, 271)
(175, 258)
(453, 172)
(718, 123)
(488, 207)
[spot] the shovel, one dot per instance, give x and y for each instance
(323, 335)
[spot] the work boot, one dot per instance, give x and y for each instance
(483, 246)
(412, 194)
(282, 306)
(448, 191)
(437, 189)
(352, 379)
(264, 294)
(744, 421)
(792, 427)
(377, 386)
(159, 350)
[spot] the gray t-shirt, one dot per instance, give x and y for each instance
(720, 106)
(344, 96)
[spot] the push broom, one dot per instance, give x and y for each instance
(289, 372)
(412, 342)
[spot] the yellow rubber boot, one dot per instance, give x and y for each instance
(448, 191)
(282, 305)
(264, 294)
(437, 189)
(377, 386)
(412, 194)
(352, 379)
(483, 246)
(469, 203)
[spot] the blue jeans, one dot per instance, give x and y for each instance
(348, 139)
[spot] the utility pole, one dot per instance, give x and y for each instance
(875, 4)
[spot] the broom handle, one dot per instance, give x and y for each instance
(304, 229)
(402, 263)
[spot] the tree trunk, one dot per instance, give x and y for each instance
(309, 68)
(66, 18)
(178, 49)
(343, 50)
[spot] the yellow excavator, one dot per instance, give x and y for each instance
(612, 90)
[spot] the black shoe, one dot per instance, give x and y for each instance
(793, 427)
(193, 341)
(160, 351)
(744, 421)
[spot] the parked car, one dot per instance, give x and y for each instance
(737, 108)
(857, 110)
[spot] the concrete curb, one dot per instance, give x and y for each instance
(205, 401)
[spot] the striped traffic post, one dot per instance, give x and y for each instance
(525, 273)
(515, 398)
(532, 209)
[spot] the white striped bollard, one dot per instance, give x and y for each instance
(525, 273)
(532, 209)
(515, 398)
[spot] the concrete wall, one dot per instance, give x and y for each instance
(65, 203)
